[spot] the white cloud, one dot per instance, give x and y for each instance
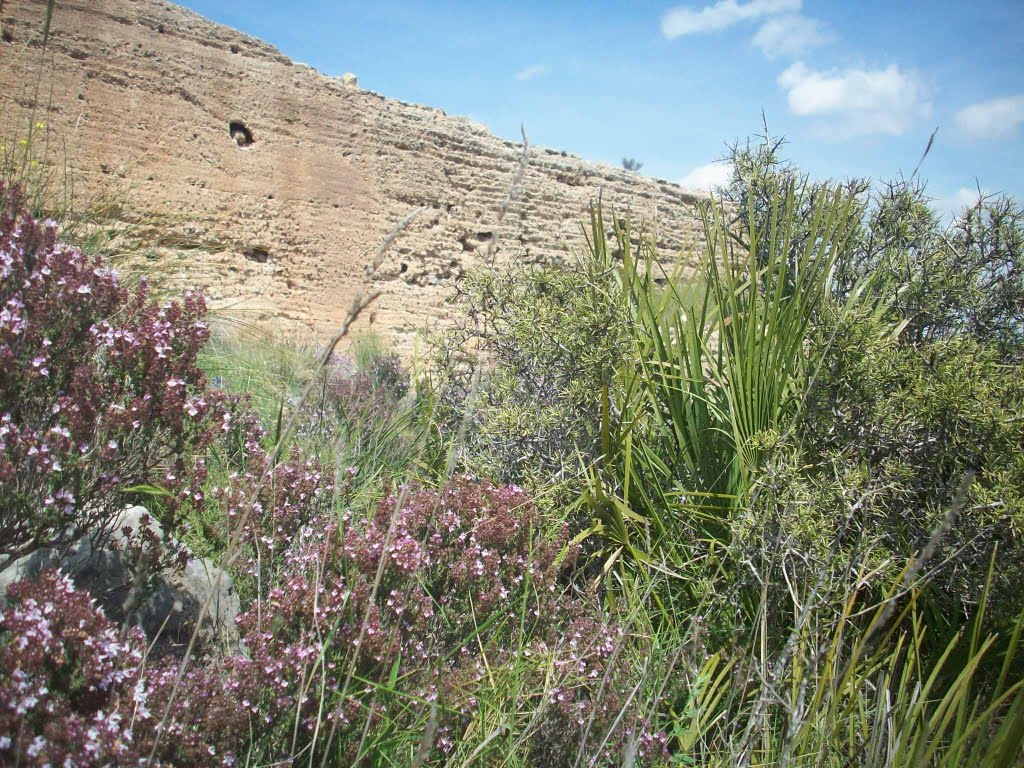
(707, 177)
(992, 119)
(537, 70)
(951, 206)
(683, 20)
(791, 35)
(854, 102)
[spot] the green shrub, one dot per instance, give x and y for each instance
(545, 340)
(907, 423)
(914, 388)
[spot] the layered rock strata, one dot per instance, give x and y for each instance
(269, 185)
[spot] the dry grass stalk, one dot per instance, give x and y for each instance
(362, 300)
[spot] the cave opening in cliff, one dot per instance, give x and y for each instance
(240, 133)
(258, 253)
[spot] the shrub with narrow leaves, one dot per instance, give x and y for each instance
(100, 391)
(552, 337)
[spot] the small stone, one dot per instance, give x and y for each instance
(349, 80)
(171, 613)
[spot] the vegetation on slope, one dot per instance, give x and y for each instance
(759, 505)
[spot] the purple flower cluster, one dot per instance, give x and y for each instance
(432, 590)
(387, 372)
(99, 391)
(295, 492)
(425, 587)
(62, 667)
(366, 397)
(73, 691)
(464, 551)
(451, 584)
(359, 400)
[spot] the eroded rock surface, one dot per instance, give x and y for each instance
(269, 185)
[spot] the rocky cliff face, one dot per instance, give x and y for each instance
(270, 185)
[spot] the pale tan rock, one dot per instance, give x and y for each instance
(349, 80)
(270, 185)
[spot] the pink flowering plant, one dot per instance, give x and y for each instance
(74, 690)
(357, 398)
(362, 622)
(468, 585)
(100, 392)
(431, 590)
(387, 372)
(360, 400)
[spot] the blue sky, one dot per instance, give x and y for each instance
(856, 87)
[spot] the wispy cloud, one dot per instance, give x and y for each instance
(992, 119)
(684, 20)
(791, 35)
(853, 102)
(537, 70)
(784, 31)
(706, 177)
(951, 206)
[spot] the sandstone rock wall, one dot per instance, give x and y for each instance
(154, 100)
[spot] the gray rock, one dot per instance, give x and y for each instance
(133, 517)
(169, 609)
(171, 613)
(73, 561)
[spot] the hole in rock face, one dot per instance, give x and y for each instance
(235, 48)
(258, 254)
(403, 268)
(240, 133)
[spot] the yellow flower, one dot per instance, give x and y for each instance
(40, 124)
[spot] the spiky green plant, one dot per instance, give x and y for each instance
(720, 366)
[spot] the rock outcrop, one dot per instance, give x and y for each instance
(269, 185)
(168, 611)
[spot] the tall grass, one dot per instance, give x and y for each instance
(720, 358)
(832, 695)
(821, 673)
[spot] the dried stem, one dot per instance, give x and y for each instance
(362, 300)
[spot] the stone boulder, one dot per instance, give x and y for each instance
(167, 610)
(171, 612)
